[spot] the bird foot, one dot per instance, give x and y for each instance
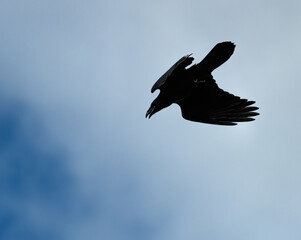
(198, 81)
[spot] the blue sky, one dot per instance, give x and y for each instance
(80, 161)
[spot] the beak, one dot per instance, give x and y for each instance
(150, 112)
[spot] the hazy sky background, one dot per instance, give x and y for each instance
(80, 161)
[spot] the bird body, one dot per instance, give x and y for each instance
(198, 95)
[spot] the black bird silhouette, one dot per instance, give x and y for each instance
(197, 93)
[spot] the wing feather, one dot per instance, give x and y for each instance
(217, 56)
(210, 104)
(179, 65)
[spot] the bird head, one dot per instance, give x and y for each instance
(158, 104)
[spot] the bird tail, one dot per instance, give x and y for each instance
(217, 56)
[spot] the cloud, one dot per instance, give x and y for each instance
(36, 184)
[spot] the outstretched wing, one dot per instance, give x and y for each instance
(179, 65)
(210, 104)
(217, 56)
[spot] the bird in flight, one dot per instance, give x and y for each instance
(196, 92)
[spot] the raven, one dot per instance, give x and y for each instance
(198, 95)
